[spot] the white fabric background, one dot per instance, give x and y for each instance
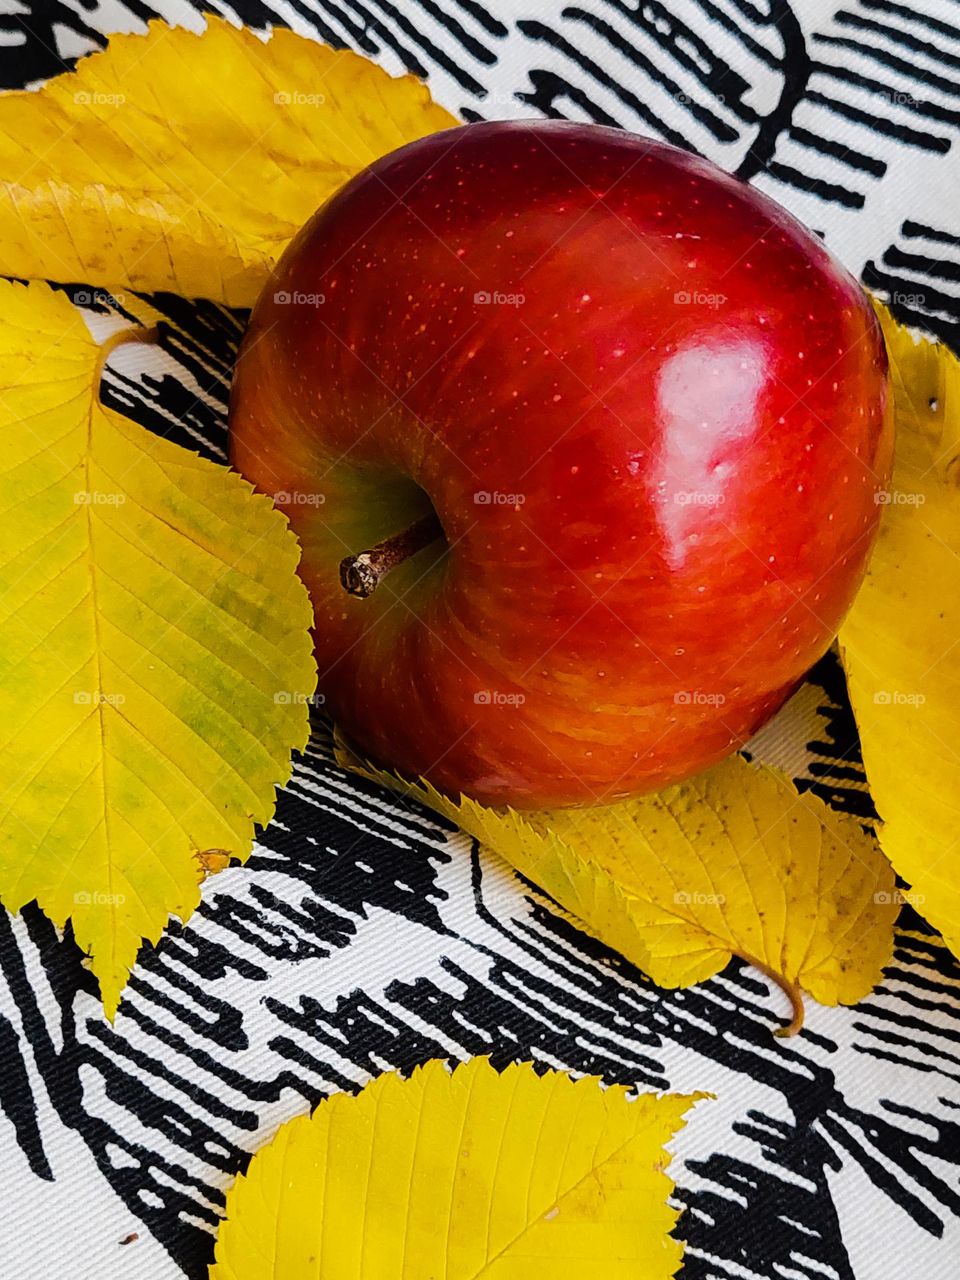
(111, 1159)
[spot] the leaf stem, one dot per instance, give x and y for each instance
(120, 339)
(790, 989)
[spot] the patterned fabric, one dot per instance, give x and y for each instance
(365, 935)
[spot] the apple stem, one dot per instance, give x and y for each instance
(361, 574)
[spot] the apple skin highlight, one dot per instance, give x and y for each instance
(651, 413)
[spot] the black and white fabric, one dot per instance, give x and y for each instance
(365, 935)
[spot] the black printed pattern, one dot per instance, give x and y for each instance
(366, 935)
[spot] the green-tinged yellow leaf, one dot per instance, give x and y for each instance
(732, 863)
(899, 643)
(186, 162)
(510, 1176)
(155, 661)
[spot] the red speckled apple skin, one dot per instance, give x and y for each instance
(651, 412)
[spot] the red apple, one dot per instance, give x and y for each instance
(642, 407)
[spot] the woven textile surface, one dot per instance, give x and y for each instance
(365, 935)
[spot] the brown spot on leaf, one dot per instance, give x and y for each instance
(211, 861)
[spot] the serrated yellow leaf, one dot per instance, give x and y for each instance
(734, 862)
(184, 162)
(899, 642)
(510, 1176)
(155, 660)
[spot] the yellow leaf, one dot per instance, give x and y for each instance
(734, 862)
(184, 162)
(899, 643)
(512, 1177)
(155, 661)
